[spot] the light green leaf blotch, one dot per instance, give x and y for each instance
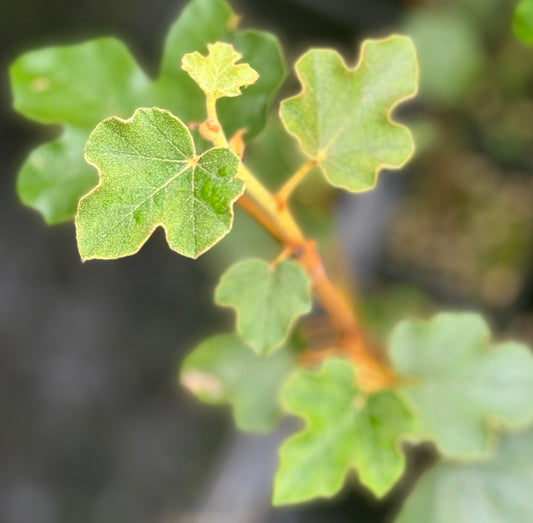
(78, 84)
(342, 117)
(218, 73)
(268, 300)
(523, 21)
(224, 370)
(495, 491)
(344, 429)
(151, 176)
(458, 384)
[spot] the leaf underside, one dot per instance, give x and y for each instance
(341, 117)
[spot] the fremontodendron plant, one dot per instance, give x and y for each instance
(148, 165)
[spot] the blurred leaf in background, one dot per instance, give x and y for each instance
(523, 21)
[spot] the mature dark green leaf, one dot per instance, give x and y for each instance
(342, 116)
(263, 52)
(150, 177)
(345, 428)
(494, 491)
(268, 300)
(458, 384)
(224, 370)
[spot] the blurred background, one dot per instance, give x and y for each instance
(94, 427)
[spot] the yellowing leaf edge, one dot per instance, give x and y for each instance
(126, 121)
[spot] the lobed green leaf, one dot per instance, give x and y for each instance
(494, 491)
(345, 429)
(249, 111)
(53, 178)
(218, 74)
(77, 86)
(458, 385)
(224, 370)
(342, 117)
(150, 177)
(268, 299)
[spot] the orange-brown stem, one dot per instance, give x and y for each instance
(374, 372)
(262, 218)
(265, 208)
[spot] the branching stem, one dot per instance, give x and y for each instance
(374, 373)
(264, 206)
(290, 185)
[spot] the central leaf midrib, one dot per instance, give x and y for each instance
(144, 156)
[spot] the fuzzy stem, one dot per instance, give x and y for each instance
(211, 103)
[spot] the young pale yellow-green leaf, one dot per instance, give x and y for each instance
(150, 176)
(458, 384)
(342, 116)
(344, 429)
(218, 73)
(268, 300)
